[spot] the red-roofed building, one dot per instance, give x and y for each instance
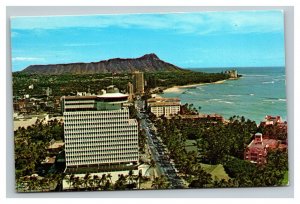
(257, 150)
(271, 120)
(274, 128)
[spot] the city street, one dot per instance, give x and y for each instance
(159, 152)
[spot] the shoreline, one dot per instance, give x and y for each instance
(177, 88)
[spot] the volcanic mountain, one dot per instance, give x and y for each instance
(146, 63)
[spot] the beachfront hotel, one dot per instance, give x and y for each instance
(98, 130)
(167, 107)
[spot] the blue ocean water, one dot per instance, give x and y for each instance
(259, 92)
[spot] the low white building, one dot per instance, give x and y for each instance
(164, 106)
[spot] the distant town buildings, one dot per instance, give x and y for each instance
(164, 106)
(274, 128)
(138, 82)
(98, 130)
(257, 150)
(272, 120)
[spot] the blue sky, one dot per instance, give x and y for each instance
(188, 40)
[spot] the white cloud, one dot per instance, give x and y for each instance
(27, 59)
(196, 23)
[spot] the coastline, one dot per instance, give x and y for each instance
(177, 88)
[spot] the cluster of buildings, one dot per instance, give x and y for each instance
(28, 104)
(257, 150)
(137, 88)
(274, 127)
(169, 107)
(232, 73)
(98, 132)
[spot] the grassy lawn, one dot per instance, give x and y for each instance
(190, 145)
(285, 179)
(216, 171)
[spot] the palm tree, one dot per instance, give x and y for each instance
(160, 183)
(108, 185)
(121, 182)
(77, 182)
(139, 179)
(155, 183)
(70, 180)
(130, 177)
(103, 180)
(86, 179)
(151, 167)
(202, 179)
(109, 177)
(96, 182)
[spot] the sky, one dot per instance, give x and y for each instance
(189, 40)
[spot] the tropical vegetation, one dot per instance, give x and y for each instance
(219, 143)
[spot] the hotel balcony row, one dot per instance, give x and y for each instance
(120, 148)
(101, 136)
(102, 157)
(124, 111)
(99, 127)
(117, 120)
(82, 135)
(103, 147)
(99, 143)
(78, 134)
(101, 161)
(101, 154)
(80, 102)
(96, 118)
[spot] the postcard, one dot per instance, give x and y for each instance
(149, 101)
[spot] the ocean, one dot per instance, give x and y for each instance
(259, 92)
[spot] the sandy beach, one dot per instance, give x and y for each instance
(177, 89)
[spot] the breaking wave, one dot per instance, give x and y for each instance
(233, 95)
(228, 102)
(273, 100)
(255, 75)
(268, 82)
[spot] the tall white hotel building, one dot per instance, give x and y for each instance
(98, 131)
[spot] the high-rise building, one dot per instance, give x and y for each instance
(98, 130)
(138, 82)
(130, 91)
